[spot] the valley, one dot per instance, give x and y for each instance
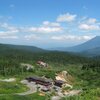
(82, 81)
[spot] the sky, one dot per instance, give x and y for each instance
(49, 23)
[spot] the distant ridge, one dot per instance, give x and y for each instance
(92, 52)
(21, 47)
(91, 44)
(89, 48)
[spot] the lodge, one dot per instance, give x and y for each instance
(39, 80)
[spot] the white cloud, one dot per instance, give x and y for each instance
(51, 24)
(31, 37)
(89, 27)
(8, 27)
(44, 29)
(7, 34)
(49, 29)
(71, 37)
(91, 21)
(89, 24)
(8, 31)
(66, 17)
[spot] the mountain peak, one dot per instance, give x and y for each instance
(96, 37)
(90, 44)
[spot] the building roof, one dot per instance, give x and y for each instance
(59, 81)
(40, 79)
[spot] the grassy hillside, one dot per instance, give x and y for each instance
(85, 71)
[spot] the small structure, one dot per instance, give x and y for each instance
(45, 89)
(42, 64)
(27, 66)
(59, 83)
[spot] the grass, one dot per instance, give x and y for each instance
(85, 80)
(12, 87)
(90, 94)
(34, 96)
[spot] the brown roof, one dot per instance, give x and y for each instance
(40, 79)
(59, 81)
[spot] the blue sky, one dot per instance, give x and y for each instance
(49, 23)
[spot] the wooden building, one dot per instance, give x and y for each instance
(39, 80)
(59, 83)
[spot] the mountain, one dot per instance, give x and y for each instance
(4, 47)
(91, 44)
(92, 52)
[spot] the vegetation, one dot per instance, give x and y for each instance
(34, 96)
(85, 71)
(12, 87)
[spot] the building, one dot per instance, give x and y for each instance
(27, 66)
(42, 64)
(39, 80)
(45, 89)
(59, 83)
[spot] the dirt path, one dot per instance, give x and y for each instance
(73, 92)
(32, 88)
(8, 80)
(70, 93)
